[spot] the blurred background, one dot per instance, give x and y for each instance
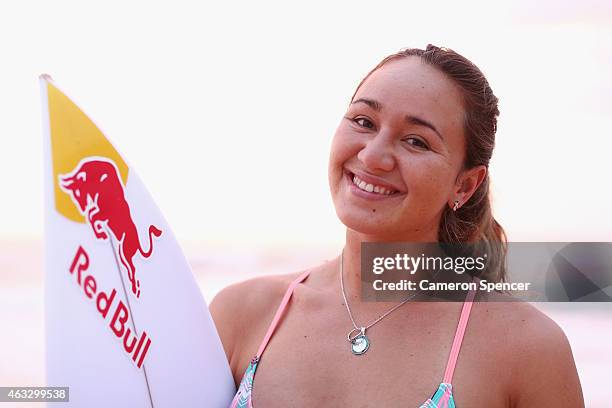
(227, 110)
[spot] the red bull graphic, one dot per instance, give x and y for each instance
(99, 194)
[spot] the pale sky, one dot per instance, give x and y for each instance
(226, 110)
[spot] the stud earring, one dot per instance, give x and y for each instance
(456, 206)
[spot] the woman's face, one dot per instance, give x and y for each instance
(397, 153)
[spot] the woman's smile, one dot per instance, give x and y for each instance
(366, 187)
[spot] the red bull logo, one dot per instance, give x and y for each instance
(98, 192)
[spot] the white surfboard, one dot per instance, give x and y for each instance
(126, 324)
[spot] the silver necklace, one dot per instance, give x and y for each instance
(360, 343)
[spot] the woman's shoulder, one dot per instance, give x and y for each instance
(240, 308)
(525, 326)
(239, 303)
(523, 318)
(518, 316)
(537, 352)
(253, 287)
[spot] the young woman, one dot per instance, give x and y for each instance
(408, 163)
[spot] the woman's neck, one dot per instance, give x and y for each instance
(351, 259)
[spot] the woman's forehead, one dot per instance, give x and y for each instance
(411, 86)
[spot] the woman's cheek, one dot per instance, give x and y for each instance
(344, 149)
(427, 181)
(338, 157)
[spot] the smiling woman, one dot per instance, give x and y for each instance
(408, 163)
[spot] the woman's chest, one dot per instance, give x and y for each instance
(310, 363)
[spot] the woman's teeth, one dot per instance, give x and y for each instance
(371, 187)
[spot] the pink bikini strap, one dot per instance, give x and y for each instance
(463, 320)
(279, 312)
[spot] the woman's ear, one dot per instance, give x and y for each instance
(467, 183)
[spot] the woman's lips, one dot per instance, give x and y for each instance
(349, 176)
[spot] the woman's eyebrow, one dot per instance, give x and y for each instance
(370, 102)
(414, 120)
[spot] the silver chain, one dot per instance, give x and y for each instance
(362, 329)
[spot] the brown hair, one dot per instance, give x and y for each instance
(473, 223)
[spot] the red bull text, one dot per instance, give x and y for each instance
(105, 303)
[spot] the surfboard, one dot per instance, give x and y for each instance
(126, 323)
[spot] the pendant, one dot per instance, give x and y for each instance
(360, 345)
(359, 342)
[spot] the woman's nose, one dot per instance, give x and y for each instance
(377, 154)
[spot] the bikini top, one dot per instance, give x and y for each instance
(442, 398)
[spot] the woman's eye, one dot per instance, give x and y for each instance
(363, 122)
(417, 143)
